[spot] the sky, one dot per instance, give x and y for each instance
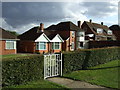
(22, 16)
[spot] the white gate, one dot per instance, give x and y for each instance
(52, 65)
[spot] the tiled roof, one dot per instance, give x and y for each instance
(64, 26)
(94, 26)
(51, 31)
(116, 30)
(6, 35)
(33, 34)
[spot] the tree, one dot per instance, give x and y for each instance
(13, 32)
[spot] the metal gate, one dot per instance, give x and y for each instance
(52, 65)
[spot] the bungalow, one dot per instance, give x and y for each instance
(116, 31)
(37, 40)
(7, 42)
(55, 38)
(97, 32)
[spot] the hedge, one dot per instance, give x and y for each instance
(20, 70)
(82, 59)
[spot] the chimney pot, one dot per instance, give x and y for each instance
(90, 20)
(42, 27)
(101, 23)
(79, 24)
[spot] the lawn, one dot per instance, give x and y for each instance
(103, 75)
(14, 55)
(37, 84)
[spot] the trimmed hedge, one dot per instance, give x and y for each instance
(82, 59)
(20, 70)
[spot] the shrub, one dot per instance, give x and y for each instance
(82, 59)
(21, 70)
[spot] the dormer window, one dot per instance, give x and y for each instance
(109, 32)
(99, 30)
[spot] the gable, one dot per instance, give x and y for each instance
(57, 38)
(42, 38)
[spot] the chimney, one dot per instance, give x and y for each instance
(41, 27)
(90, 20)
(79, 24)
(101, 23)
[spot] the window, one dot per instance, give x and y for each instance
(56, 45)
(37, 45)
(81, 34)
(73, 33)
(109, 32)
(72, 47)
(10, 44)
(81, 44)
(41, 46)
(99, 30)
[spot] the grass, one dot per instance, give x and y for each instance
(103, 75)
(14, 55)
(37, 84)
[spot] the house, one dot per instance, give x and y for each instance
(116, 31)
(81, 38)
(68, 31)
(37, 40)
(7, 42)
(97, 32)
(55, 38)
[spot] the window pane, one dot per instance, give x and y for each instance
(73, 33)
(56, 45)
(72, 46)
(37, 46)
(42, 45)
(10, 45)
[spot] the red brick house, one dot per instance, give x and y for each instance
(55, 38)
(116, 31)
(7, 43)
(68, 31)
(97, 32)
(37, 40)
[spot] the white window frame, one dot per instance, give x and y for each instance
(54, 44)
(81, 34)
(10, 41)
(38, 45)
(109, 32)
(99, 30)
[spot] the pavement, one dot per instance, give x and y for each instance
(69, 83)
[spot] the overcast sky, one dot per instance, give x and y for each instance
(21, 16)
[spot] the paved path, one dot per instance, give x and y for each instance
(74, 84)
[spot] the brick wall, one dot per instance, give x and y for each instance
(30, 47)
(26, 46)
(99, 44)
(4, 51)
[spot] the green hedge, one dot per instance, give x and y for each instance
(82, 59)
(20, 70)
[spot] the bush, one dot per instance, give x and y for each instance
(82, 59)
(21, 70)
